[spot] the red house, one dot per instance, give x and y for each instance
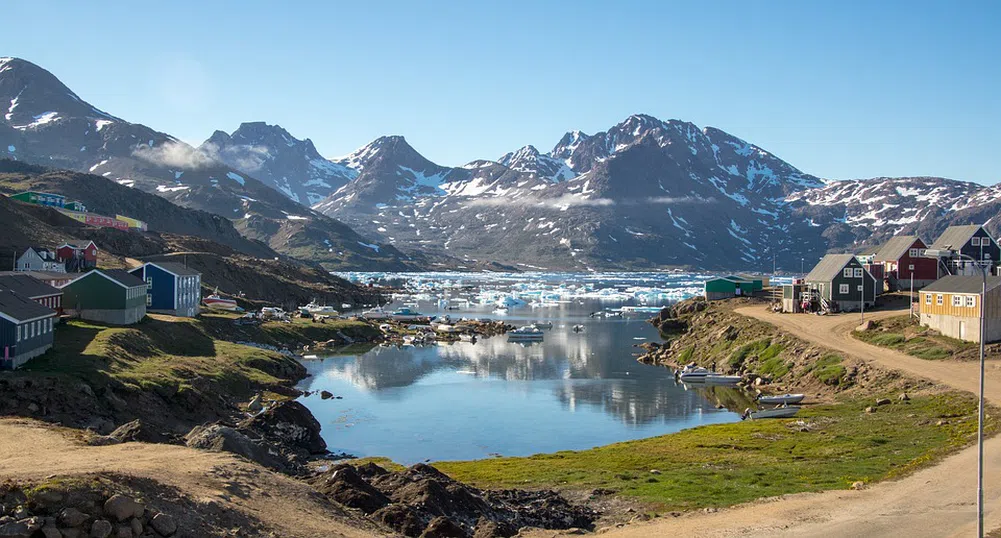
(78, 257)
(901, 259)
(94, 219)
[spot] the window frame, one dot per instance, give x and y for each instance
(939, 299)
(971, 301)
(858, 272)
(843, 289)
(957, 300)
(847, 273)
(928, 299)
(975, 241)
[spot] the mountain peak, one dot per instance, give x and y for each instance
(47, 102)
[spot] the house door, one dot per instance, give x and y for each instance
(962, 330)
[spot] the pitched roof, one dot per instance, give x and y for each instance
(954, 237)
(18, 308)
(118, 276)
(43, 275)
(27, 286)
(896, 247)
(176, 268)
(869, 251)
(829, 267)
(43, 253)
(123, 277)
(962, 284)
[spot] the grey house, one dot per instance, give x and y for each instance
(25, 329)
(972, 240)
(39, 259)
(841, 282)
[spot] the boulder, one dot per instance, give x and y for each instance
(72, 533)
(122, 508)
(137, 526)
(325, 395)
(23, 528)
(163, 524)
(289, 424)
(219, 438)
(51, 532)
(139, 431)
(883, 401)
(101, 529)
(71, 517)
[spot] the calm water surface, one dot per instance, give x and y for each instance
(493, 397)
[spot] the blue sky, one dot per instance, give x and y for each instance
(839, 89)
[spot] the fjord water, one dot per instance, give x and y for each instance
(575, 390)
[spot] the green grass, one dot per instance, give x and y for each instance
(755, 348)
(906, 335)
(161, 353)
(828, 369)
(685, 356)
(725, 464)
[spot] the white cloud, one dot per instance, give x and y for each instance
(174, 155)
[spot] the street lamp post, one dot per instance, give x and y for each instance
(980, 410)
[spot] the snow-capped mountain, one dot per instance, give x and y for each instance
(644, 193)
(530, 162)
(281, 161)
(873, 210)
(44, 122)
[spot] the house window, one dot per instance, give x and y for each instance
(939, 300)
(848, 272)
(843, 289)
(149, 300)
(927, 298)
(913, 253)
(975, 241)
(858, 272)
(910, 267)
(971, 301)
(957, 300)
(19, 328)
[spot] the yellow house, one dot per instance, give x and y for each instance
(951, 305)
(75, 215)
(134, 224)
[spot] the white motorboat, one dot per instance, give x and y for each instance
(467, 337)
(721, 379)
(499, 311)
(375, 313)
(315, 308)
(217, 302)
(527, 333)
(781, 399)
(776, 412)
(444, 328)
(695, 374)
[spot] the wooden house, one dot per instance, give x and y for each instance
(78, 257)
(39, 259)
(75, 205)
(840, 282)
(41, 198)
(25, 329)
(902, 258)
(726, 287)
(951, 306)
(27, 286)
(795, 297)
(112, 296)
(972, 240)
(171, 288)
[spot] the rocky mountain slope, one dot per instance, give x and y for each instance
(44, 122)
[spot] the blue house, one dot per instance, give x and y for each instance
(25, 329)
(172, 288)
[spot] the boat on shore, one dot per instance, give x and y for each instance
(218, 302)
(695, 374)
(776, 412)
(314, 308)
(527, 333)
(375, 313)
(783, 399)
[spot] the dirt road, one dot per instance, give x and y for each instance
(34, 451)
(939, 501)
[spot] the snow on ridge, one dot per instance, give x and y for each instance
(236, 177)
(41, 119)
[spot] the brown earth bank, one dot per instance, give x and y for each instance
(716, 336)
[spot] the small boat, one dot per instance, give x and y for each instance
(310, 357)
(499, 311)
(385, 327)
(218, 302)
(720, 379)
(578, 328)
(406, 314)
(467, 337)
(546, 325)
(527, 333)
(375, 313)
(781, 399)
(346, 306)
(315, 308)
(444, 328)
(693, 374)
(777, 412)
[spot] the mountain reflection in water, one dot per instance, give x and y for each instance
(472, 400)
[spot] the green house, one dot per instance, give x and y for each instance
(725, 287)
(111, 296)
